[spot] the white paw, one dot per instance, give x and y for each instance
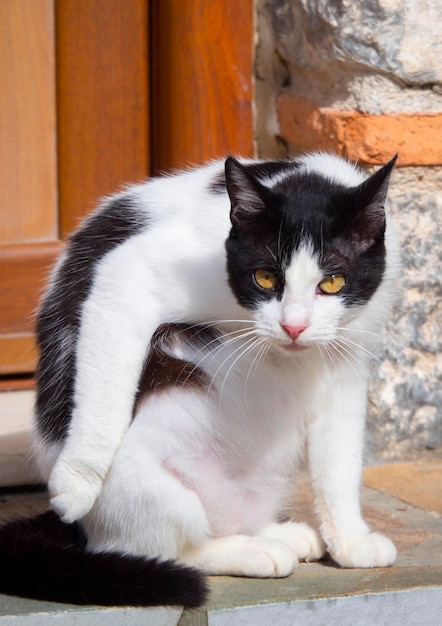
(73, 490)
(266, 558)
(305, 541)
(368, 550)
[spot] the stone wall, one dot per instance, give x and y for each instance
(365, 79)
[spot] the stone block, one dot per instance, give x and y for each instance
(405, 407)
(401, 38)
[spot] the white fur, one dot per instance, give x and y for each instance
(332, 167)
(202, 477)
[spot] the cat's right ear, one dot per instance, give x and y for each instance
(246, 194)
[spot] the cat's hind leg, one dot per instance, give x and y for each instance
(242, 555)
(305, 541)
(144, 509)
(273, 553)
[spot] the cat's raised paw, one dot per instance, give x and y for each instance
(368, 550)
(73, 493)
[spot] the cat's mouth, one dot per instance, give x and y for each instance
(293, 346)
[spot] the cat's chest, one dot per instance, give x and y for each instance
(265, 441)
(271, 399)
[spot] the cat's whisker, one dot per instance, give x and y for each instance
(345, 354)
(255, 363)
(321, 238)
(222, 334)
(229, 338)
(250, 340)
(220, 342)
(250, 345)
(239, 334)
(202, 326)
(272, 254)
(346, 341)
(323, 349)
(357, 330)
(278, 247)
(216, 323)
(265, 346)
(259, 356)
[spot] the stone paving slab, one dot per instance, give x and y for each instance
(418, 483)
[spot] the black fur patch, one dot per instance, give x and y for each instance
(59, 317)
(40, 558)
(161, 370)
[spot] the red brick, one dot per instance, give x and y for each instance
(370, 139)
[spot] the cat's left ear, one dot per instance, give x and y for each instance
(369, 202)
(245, 192)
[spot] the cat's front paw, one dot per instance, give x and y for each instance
(73, 491)
(367, 550)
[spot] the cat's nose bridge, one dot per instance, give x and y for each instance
(296, 314)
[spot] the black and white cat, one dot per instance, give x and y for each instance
(202, 336)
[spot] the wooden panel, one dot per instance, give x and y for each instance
(102, 73)
(28, 202)
(202, 67)
(23, 274)
(28, 172)
(18, 355)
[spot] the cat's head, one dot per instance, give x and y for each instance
(307, 249)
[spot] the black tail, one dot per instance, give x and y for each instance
(41, 558)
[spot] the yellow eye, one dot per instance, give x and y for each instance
(266, 279)
(332, 284)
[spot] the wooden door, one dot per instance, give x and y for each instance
(28, 171)
(202, 80)
(77, 120)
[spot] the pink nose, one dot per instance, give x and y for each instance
(293, 331)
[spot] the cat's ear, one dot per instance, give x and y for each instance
(246, 194)
(368, 220)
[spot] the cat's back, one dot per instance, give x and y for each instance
(188, 196)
